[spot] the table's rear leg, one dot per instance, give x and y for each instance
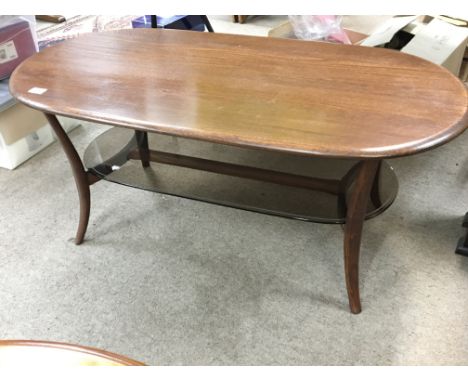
(375, 190)
(355, 213)
(82, 178)
(141, 138)
(462, 245)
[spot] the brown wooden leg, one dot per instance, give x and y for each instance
(82, 178)
(51, 18)
(143, 148)
(356, 211)
(462, 245)
(344, 184)
(375, 190)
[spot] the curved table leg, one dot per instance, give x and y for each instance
(141, 138)
(82, 179)
(345, 183)
(356, 211)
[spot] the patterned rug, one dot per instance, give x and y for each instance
(78, 25)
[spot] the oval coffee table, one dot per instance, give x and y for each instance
(287, 101)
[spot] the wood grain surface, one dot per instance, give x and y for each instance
(301, 97)
(46, 353)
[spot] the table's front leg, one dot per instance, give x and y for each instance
(355, 214)
(83, 179)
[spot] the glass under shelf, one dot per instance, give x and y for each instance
(107, 157)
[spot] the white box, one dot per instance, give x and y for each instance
(441, 43)
(385, 32)
(12, 155)
(24, 132)
(437, 41)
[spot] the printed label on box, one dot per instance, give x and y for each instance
(8, 52)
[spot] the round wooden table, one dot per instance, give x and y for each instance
(45, 353)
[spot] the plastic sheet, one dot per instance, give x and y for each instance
(319, 28)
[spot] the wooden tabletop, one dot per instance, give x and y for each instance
(301, 97)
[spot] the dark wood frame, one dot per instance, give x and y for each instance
(339, 120)
(363, 176)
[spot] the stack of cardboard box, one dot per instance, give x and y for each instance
(441, 40)
(23, 131)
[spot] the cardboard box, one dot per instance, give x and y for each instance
(23, 133)
(427, 37)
